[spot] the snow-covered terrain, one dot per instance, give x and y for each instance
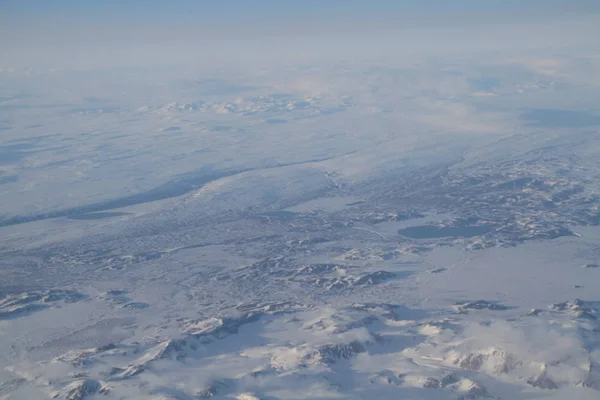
(419, 228)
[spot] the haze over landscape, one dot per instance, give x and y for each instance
(282, 200)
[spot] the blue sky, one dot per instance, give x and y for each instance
(272, 10)
(243, 18)
(49, 28)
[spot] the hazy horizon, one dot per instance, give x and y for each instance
(87, 34)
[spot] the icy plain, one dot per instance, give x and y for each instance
(415, 229)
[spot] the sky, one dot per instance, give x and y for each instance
(22, 15)
(46, 32)
(262, 10)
